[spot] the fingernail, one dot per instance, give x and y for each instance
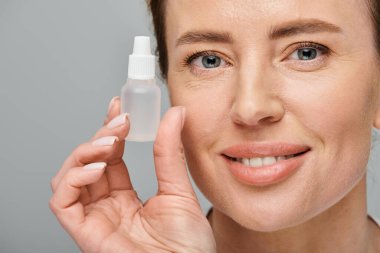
(118, 121)
(105, 141)
(111, 103)
(95, 166)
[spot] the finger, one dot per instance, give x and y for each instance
(169, 159)
(106, 149)
(115, 121)
(109, 150)
(118, 126)
(84, 197)
(64, 202)
(113, 109)
(99, 189)
(118, 177)
(115, 178)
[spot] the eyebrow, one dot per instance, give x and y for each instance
(288, 29)
(204, 36)
(293, 28)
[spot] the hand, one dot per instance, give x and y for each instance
(94, 200)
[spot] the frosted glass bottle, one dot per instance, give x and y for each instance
(141, 96)
(142, 100)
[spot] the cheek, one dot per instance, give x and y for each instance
(331, 107)
(335, 105)
(207, 111)
(336, 112)
(207, 120)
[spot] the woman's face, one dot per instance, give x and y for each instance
(257, 78)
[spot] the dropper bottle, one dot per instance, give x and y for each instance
(141, 96)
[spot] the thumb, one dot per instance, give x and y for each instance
(169, 156)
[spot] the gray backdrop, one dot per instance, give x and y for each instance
(60, 64)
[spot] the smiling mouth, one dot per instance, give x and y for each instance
(262, 161)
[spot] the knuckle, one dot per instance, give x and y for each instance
(71, 179)
(106, 153)
(78, 153)
(85, 153)
(118, 153)
(116, 161)
(108, 157)
(162, 150)
(53, 184)
(53, 205)
(159, 150)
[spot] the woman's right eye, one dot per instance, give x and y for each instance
(208, 61)
(205, 60)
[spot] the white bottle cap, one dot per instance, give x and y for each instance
(141, 62)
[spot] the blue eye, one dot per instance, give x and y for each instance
(308, 51)
(307, 54)
(211, 61)
(205, 60)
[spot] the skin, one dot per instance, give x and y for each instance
(261, 92)
(264, 93)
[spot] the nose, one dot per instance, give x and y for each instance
(256, 102)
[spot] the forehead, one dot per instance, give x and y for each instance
(244, 18)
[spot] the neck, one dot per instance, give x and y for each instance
(344, 226)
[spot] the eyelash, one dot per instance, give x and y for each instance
(305, 44)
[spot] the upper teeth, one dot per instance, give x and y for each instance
(261, 161)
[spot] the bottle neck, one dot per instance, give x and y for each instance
(141, 81)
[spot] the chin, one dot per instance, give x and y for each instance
(271, 221)
(269, 217)
(282, 209)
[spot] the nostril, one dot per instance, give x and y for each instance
(257, 120)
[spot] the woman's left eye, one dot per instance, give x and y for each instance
(308, 52)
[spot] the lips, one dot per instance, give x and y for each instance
(264, 163)
(264, 150)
